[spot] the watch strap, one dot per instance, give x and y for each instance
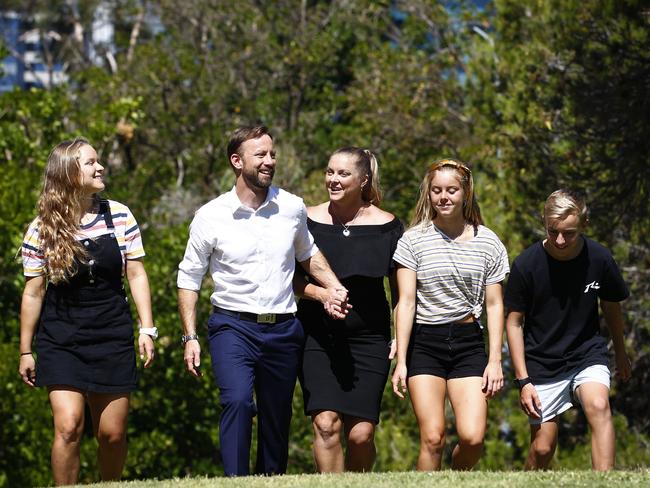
(150, 331)
(523, 382)
(190, 337)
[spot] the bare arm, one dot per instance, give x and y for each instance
(141, 293)
(139, 286)
(404, 314)
(394, 300)
(515, 335)
(30, 312)
(187, 300)
(318, 267)
(614, 320)
(305, 289)
(528, 398)
(493, 375)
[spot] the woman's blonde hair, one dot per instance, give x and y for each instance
(366, 163)
(60, 208)
(424, 211)
(562, 203)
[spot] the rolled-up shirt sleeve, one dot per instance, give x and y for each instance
(498, 267)
(196, 260)
(405, 253)
(304, 242)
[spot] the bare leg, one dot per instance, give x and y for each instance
(427, 394)
(470, 409)
(68, 412)
(110, 412)
(360, 434)
(543, 441)
(594, 398)
(328, 452)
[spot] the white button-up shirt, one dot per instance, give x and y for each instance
(251, 253)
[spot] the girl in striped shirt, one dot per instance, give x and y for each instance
(74, 309)
(449, 264)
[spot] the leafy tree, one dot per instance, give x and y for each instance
(534, 95)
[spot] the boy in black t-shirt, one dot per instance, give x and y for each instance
(553, 331)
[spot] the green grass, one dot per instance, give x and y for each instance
(442, 479)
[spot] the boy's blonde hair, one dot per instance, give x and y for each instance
(562, 203)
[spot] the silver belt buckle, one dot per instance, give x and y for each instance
(266, 318)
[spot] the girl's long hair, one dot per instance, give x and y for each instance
(424, 211)
(60, 208)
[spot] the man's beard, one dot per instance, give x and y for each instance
(255, 181)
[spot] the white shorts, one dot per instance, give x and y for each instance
(559, 396)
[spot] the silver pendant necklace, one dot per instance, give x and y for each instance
(346, 228)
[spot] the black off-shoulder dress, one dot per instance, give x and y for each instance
(345, 362)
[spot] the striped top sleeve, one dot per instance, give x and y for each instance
(32, 255)
(127, 234)
(127, 231)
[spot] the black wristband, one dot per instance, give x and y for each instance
(523, 382)
(26, 353)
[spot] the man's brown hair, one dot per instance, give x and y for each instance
(243, 134)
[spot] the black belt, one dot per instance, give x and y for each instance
(262, 318)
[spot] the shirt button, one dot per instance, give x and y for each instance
(86, 243)
(91, 262)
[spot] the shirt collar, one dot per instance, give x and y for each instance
(235, 204)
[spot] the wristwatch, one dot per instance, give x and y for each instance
(150, 331)
(523, 382)
(191, 337)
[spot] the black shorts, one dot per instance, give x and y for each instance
(447, 350)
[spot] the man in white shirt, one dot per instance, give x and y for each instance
(250, 239)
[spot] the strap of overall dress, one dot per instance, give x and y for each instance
(105, 208)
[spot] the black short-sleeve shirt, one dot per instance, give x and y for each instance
(559, 300)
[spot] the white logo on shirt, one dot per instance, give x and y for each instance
(594, 285)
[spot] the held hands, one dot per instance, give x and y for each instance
(192, 358)
(146, 346)
(492, 379)
(529, 401)
(335, 302)
(27, 369)
(399, 380)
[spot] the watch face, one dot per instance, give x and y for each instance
(190, 337)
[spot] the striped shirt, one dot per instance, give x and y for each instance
(451, 275)
(126, 230)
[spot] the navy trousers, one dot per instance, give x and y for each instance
(263, 358)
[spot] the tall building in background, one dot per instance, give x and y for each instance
(24, 66)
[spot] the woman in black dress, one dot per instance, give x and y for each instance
(74, 256)
(346, 362)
